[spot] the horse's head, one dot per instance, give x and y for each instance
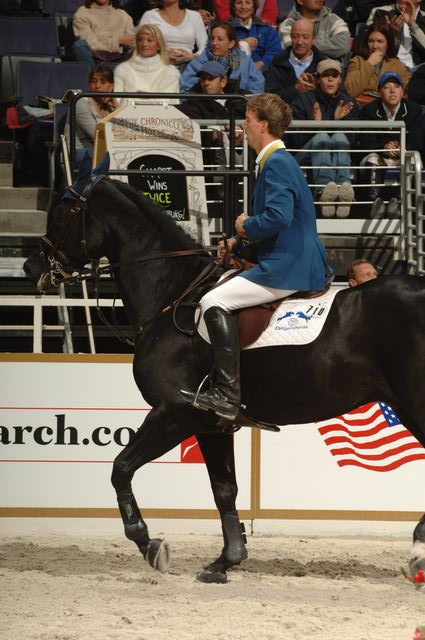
(63, 251)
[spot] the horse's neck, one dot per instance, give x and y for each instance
(148, 286)
(129, 228)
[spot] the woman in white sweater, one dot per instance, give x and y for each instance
(183, 29)
(149, 69)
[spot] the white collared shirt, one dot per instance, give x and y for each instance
(300, 65)
(391, 116)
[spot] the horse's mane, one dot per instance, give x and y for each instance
(158, 218)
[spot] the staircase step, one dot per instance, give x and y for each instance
(23, 198)
(23, 222)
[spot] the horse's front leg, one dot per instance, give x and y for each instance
(156, 436)
(218, 452)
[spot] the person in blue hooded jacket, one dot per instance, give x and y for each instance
(261, 39)
(223, 47)
(290, 255)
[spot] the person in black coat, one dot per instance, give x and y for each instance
(390, 106)
(327, 153)
(292, 72)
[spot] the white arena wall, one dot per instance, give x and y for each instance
(63, 419)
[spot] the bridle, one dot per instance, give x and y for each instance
(61, 269)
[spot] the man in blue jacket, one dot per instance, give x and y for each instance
(290, 255)
(292, 72)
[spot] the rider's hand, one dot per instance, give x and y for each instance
(239, 224)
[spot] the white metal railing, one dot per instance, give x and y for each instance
(38, 327)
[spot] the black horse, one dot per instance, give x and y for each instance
(371, 348)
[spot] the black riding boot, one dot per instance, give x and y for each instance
(224, 397)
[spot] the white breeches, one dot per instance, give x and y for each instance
(238, 293)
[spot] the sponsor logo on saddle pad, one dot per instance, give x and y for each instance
(295, 322)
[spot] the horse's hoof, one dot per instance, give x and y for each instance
(158, 555)
(212, 577)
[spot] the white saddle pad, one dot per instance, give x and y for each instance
(294, 322)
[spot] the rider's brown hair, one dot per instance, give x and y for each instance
(270, 107)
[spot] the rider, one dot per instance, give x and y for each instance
(290, 255)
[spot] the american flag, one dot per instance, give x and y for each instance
(370, 437)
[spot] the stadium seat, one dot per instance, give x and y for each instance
(50, 79)
(27, 38)
(65, 8)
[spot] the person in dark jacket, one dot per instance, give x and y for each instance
(261, 40)
(328, 153)
(292, 72)
(212, 80)
(390, 106)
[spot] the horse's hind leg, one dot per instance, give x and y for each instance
(156, 436)
(218, 452)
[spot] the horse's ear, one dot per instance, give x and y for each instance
(103, 167)
(83, 178)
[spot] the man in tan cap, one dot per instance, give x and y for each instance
(330, 159)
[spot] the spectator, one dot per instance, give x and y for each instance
(377, 56)
(267, 11)
(136, 8)
(183, 30)
(330, 158)
(104, 32)
(360, 271)
(212, 79)
(223, 48)
(292, 72)
(88, 111)
(390, 106)
(260, 38)
(332, 34)
(417, 85)
(407, 22)
(148, 70)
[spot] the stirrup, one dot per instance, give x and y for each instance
(192, 398)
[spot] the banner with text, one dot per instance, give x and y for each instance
(61, 426)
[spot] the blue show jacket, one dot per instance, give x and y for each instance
(283, 224)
